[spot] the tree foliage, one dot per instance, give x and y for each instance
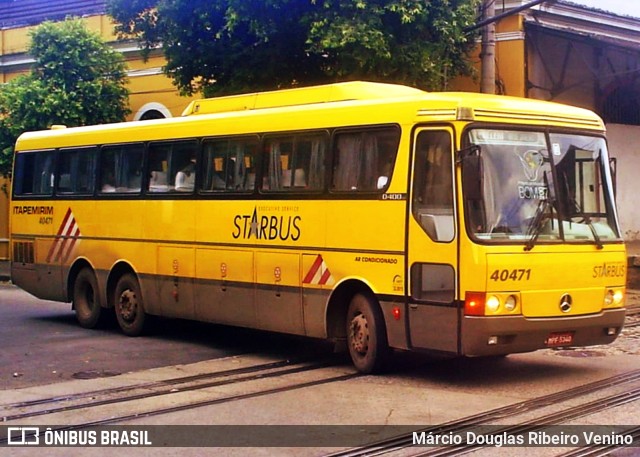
(231, 46)
(77, 79)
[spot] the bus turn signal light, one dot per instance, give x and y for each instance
(474, 303)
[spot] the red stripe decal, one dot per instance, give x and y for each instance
(313, 270)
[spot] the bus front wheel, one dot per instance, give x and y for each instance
(366, 335)
(85, 299)
(128, 305)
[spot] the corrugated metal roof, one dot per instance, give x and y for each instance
(20, 13)
(588, 22)
(607, 7)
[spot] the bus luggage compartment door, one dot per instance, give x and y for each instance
(278, 292)
(175, 281)
(225, 291)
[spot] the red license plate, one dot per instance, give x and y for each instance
(559, 339)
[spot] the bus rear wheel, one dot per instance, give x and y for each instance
(128, 305)
(366, 335)
(85, 299)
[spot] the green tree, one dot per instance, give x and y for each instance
(77, 79)
(231, 46)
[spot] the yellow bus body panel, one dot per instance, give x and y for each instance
(542, 278)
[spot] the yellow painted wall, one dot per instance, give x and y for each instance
(509, 57)
(154, 87)
(144, 88)
(15, 41)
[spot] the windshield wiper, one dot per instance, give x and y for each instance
(587, 220)
(537, 223)
(596, 237)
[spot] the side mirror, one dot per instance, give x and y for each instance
(472, 177)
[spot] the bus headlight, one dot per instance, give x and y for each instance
(492, 304)
(614, 297)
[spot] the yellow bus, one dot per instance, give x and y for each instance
(373, 215)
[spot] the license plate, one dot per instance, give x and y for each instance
(559, 339)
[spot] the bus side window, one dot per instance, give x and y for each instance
(433, 185)
(215, 158)
(121, 169)
(308, 166)
(34, 173)
(229, 165)
(295, 163)
(279, 154)
(172, 166)
(363, 160)
(76, 171)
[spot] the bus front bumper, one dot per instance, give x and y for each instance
(486, 336)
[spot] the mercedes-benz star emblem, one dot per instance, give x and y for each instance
(565, 303)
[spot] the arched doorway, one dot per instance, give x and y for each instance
(151, 114)
(152, 110)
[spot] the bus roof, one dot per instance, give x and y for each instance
(328, 106)
(354, 90)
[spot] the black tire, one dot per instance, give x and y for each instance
(366, 334)
(86, 302)
(127, 302)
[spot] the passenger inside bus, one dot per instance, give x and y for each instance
(186, 178)
(109, 182)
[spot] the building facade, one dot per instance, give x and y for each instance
(152, 95)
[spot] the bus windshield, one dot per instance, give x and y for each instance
(541, 187)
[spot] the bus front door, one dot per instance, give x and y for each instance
(432, 254)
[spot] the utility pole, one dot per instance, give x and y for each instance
(488, 49)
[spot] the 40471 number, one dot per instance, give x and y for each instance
(517, 274)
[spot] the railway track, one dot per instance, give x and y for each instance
(610, 392)
(147, 399)
(289, 374)
(633, 317)
(600, 451)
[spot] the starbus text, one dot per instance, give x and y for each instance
(266, 227)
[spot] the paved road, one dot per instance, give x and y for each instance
(42, 343)
(50, 356)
